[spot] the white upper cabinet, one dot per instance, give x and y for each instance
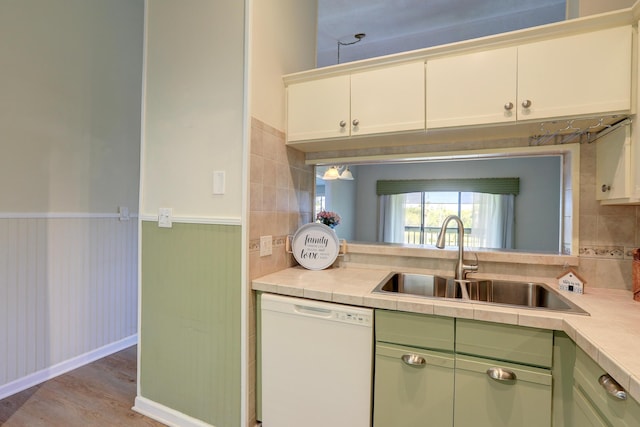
(471, 89)
(614, 173)
(318, 109)
(617, 170)
(389, 99)
(576, 75)
(383, 100)
(568, 76)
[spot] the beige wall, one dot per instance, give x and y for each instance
(194, 108)
(592, 7)
(70, 105)
(283, 41)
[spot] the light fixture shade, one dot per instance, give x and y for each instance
(331, 174)
(346, 174)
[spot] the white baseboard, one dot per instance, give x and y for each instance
(166, 415)
(43, 375)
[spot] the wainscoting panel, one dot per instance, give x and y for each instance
(190, 335)
(68, 286)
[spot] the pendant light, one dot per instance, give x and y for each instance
(331, 174)
(346, 174)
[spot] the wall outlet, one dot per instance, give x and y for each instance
(165, 218)
(266, 245)
(124, 213)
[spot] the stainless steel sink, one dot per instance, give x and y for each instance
(484, 291)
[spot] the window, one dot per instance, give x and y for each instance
(321, 198)
(415, 217)
(426, 211)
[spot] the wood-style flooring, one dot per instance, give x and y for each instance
(98, 394)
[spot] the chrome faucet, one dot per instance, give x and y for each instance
(461, 267)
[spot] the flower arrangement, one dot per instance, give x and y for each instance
(328, 218)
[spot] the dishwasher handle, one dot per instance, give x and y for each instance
(312, 311)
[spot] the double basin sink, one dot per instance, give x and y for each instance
(484, 291)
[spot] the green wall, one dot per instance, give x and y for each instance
(190, 318)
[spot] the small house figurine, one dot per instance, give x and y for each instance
(571, 281)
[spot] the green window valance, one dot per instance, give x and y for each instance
(472, 185)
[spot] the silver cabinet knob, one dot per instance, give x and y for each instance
(356, 122)
(605, 188)
(342, 123)
(526, 103)
(501, 374)
(508, 106)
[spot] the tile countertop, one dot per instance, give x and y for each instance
(610, 335)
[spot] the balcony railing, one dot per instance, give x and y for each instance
(412, 236)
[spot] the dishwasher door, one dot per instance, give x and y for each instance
(316, 363)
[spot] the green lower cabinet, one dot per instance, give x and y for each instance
(481, 401)
(590, 397)
(413, 387)
(584, 414)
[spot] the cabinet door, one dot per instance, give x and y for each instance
(389, 99)
(616, 412)
(583, 413)
(613, 165)
(477, 88)
(407, 395)
(481, 401)
(582, 74)
(316, 109)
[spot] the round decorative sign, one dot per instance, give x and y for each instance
(315, 246)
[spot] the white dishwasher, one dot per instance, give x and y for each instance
(316, 363)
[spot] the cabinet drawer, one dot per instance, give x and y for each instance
(505, 342)
(482, 401)
(615, 411)
(416, 330)
(412, 395)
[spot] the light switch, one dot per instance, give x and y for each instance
(165, 218)
(266, 246)
(218, 182)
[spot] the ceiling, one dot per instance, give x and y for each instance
(402, 25)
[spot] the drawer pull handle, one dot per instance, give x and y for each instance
(501, 374)
(612, 387)
(413, 360)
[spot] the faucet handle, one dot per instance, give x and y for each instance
(470, 268)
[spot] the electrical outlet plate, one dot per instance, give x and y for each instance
(165, 218)
(124, 213)
(266, 245)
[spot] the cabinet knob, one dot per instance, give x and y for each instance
(413, 360)
(342, 123)
(526, 103)
(501, 374)
(356, 122)
(612, 387)
(508, 106)
(605, 188)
